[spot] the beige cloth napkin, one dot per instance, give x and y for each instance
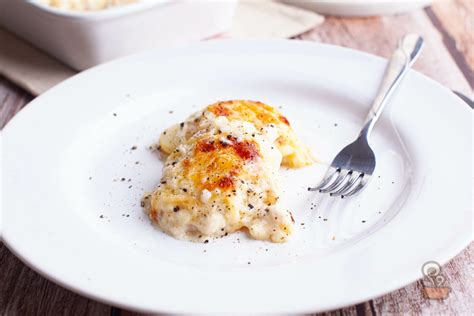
(36, 71)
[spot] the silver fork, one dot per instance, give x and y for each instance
(353, 167)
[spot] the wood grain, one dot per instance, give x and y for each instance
(24, 292)
(12, 99)
(459, 274)
(456, 18)
(380, 35)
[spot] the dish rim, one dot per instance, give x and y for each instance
(104, 14)
(103, 298)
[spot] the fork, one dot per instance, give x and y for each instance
(354, 165)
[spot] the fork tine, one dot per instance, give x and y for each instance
(364, 179)
(327, 180)
(341, 177)
(347, 175)
(351, 184)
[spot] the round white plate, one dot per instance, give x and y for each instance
(72, 182)
(360, 8)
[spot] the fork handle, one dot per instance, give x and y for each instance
(403, 57)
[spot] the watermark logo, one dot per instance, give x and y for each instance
(434, 282)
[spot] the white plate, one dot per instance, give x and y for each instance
(66, 153)
(360, 7)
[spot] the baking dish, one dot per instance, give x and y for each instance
(84, 39)
(359, 7)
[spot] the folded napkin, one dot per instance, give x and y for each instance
(36, 71)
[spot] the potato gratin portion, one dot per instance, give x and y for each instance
(221, 174)
(266, 119)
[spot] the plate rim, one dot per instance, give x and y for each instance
(103, 298)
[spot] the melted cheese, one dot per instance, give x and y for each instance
(266, 119)
(221, 178)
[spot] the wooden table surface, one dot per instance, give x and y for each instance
(448, 28)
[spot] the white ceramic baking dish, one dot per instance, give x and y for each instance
(359, 7)
(84, 39)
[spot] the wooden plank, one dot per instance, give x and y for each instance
(22, 291)
(380, 35)
(459, 274)
(456, 20)
(360, 309)
(12, 99)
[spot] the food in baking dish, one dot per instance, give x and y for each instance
(85, 5)
(221, 173)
